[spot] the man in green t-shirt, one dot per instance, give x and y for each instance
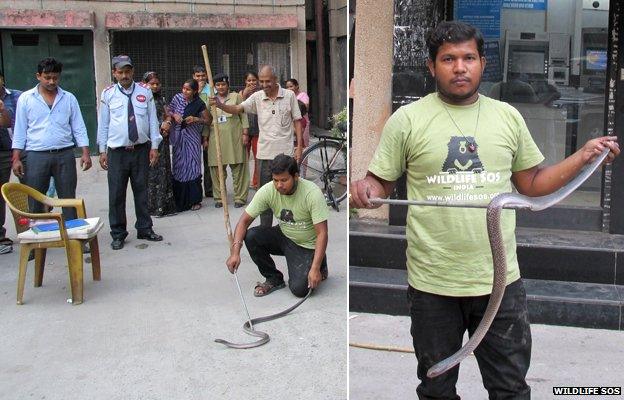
(458, 146)
(301, 234)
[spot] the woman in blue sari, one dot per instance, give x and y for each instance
(188, 114)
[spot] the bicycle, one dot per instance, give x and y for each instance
(325, 163)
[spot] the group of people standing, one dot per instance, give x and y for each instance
(163, 148)
(188, 127)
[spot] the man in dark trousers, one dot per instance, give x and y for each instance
(8, 103)
(301, 235)
(128, 138)
(48, 126)
(456, 131)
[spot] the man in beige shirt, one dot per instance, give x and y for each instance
(278, 116)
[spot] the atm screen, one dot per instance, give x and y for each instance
(528, 62)
(596, 60)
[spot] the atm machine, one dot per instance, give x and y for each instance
(593, 77)
(526, 55)
(537, 57)
(535, 64)
(559, 59)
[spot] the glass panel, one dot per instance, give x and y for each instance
(549, 60)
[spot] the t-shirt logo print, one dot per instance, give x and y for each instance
(287, 215)
(460, 159)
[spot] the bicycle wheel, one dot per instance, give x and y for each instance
(325, 164)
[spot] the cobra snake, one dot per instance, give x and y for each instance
(248, 327)
(508, 201)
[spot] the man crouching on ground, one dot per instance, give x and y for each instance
(301, 235)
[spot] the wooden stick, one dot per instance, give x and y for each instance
(226, 213)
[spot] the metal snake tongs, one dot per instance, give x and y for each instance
(248, 326)
(494, 208)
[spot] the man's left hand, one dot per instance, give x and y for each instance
(594, 148)
(314, 278)
(298, 151)
(153, 157)
(85, 162)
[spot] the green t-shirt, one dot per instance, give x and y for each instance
(448, 251)
(296, 213)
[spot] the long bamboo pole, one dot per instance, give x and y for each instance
(226, 213)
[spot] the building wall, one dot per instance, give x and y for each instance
(179, 15)
(338, 54)
(372, 85)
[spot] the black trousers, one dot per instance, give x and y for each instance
(39, 166)
(5, 175)
(124, 165)
(262, 242)
(266, 218)
(504, 355)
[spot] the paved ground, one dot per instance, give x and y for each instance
(562, 356)
(146, 330)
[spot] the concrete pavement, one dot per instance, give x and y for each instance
(561, 356)
(147, 330)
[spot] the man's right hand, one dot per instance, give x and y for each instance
(360, 193)
(104, 161)
(18, 168)
(214, 101)
(233, 262)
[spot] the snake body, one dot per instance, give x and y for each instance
(494, 208)
(264, 337)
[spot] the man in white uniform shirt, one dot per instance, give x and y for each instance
(278, 116)
(128, 138)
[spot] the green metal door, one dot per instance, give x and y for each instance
(22, 51)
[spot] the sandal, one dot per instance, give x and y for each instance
(196, 207)
(5, 248)
(262, 289)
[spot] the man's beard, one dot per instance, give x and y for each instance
(455, 97)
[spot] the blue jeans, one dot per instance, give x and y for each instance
(504, 354)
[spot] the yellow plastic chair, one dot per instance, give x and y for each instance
(16, 196)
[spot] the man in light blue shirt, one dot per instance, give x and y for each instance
(128, 138)
(48, 125)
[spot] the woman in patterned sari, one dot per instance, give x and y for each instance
(188, 114)
(159, 186)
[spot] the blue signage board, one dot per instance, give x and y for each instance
(525, 4)
(483, 14)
